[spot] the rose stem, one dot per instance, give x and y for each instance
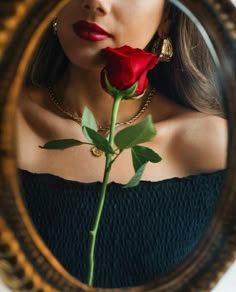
(93, 232)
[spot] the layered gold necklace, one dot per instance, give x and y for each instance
(103, 130)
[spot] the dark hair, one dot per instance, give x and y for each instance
(188, 79)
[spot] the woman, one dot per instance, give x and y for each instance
(148, 230)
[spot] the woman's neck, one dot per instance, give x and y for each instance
(82, 88)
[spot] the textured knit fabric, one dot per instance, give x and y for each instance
(145, 231)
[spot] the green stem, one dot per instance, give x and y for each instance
(93, 232)
(117, 155)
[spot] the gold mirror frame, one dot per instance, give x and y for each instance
(25, 262)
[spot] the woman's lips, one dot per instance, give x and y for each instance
(90, 31)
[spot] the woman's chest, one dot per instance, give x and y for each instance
(78, 163)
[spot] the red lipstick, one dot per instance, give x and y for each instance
(90, 31)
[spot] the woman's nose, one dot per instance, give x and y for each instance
(101, 7)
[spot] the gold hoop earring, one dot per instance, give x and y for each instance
(164, 49)
(54, 26)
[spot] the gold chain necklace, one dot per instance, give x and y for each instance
(104, 130)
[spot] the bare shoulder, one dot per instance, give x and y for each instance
(31, 96)
(201, 141)
(34, 106)
(29, 106)
(34, 115)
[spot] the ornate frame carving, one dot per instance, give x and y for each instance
(25, 262)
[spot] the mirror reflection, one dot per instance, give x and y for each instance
(147, 230)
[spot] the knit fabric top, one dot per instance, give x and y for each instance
(145, 231)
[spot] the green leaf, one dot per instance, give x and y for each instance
(61, 144)
(137, 134)
(88, 121)
(142, 155)
(136, 178)
(100, 141)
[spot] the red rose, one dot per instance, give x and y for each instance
(125, 67)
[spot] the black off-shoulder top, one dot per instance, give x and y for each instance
(145, 231)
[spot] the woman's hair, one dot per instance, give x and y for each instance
(188, 78)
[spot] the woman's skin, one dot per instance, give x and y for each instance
(188, 141)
